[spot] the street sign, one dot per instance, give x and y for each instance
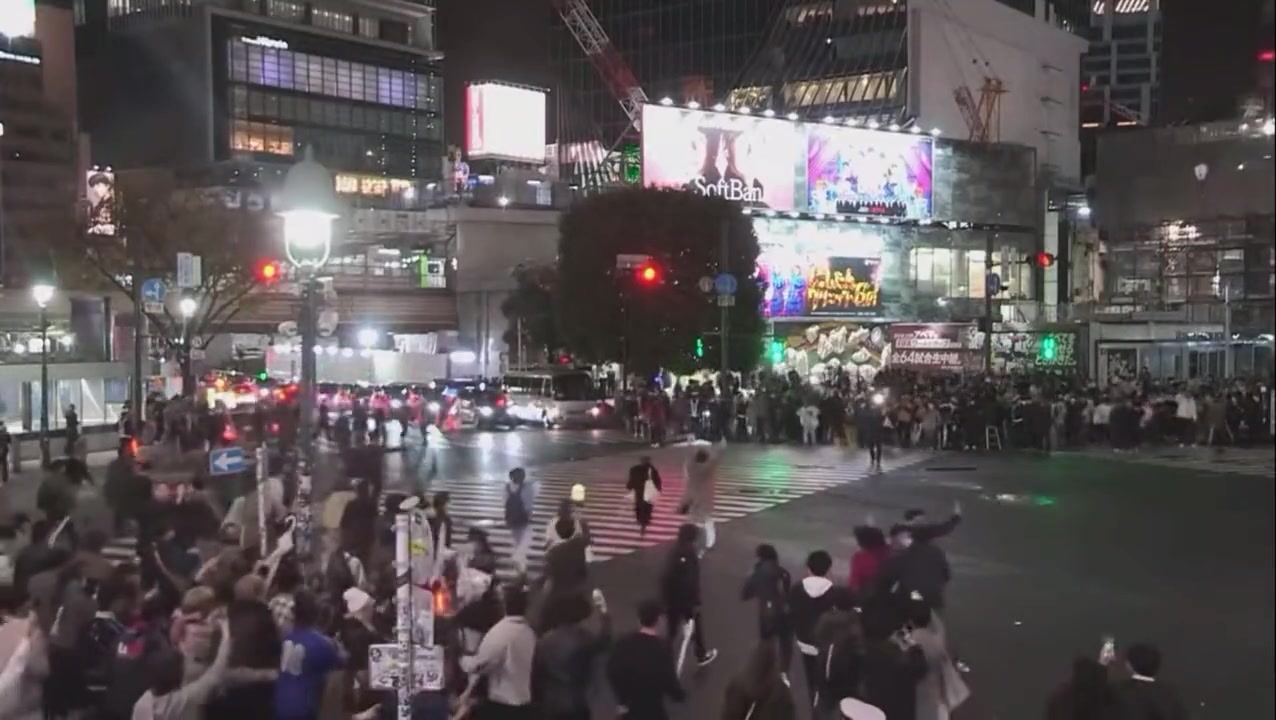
(198, 354)
(189, 270)
(631, 261)
(153, 292)
(226, 461)
(725, 284)
(726, 301)
(706, 284)
(992, 283)
(384, 667)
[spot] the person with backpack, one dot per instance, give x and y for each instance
(520, 498)
(680, 590)
(808, 601)
(769, 584)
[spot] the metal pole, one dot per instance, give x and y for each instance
(307, 401)
(137, 406)
(724, 319)
(988, 269)
(1229, 358)
(44, 387)
(263, 476)
(518, 338)
(403, 616)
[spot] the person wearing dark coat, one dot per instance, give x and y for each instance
(769, 585)
(641, 670)
(1143, 696)
(893, 665)
(760, 692)
(637, 484)
(919, 567)
(563, 664)
(680, 587)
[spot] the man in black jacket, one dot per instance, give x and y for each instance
(641, 669)
(563, 664)
(807, 602)
(919, 567)
(1142, 697)
(680, 589)
(769, 585)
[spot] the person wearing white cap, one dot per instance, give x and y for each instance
(357, 632)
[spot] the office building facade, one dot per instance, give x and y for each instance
(1121, 72)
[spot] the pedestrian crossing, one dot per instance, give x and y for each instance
(1235, 461)
(528, 442)
(750, 479)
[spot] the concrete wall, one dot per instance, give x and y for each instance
(993, 184)
(958, 44)
(1148, 176)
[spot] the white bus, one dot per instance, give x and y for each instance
(553, 398)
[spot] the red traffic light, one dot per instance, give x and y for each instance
(648, 274)
(268, 271)
(1042, 260)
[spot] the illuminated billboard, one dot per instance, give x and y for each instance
(818, 268)
(504, 122)
(100, 192)
(17, 18)
(753, 161)
(788, 166)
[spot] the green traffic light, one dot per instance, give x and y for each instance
(699, 347)
(1049, 348)
(775, 353)
(262, 376)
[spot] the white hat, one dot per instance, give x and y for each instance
(853, 709)
(356, 600)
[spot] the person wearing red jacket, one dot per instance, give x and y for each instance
(867, 561)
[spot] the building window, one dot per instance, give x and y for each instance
(369, 28)
(286, 10)
(261, 138)
(332, 20)
(839, 90)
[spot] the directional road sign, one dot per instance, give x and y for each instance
(992, 282)
(706, 284)
(153, 292)
(226, 461)
(725, 284)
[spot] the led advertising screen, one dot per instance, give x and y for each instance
(504, 122)
(774, 164)
(100, 191)
(861, 172)
(931, 346)
(816, 268)
(17, 18)
(753, 161)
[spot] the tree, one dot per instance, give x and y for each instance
(530, 312)
(605, 314)
(156, 221)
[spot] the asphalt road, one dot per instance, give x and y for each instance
(1053, 554)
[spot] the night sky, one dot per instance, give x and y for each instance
(1209, 51)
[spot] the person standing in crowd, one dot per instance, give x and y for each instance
(637, 485)
(808, 601)
(871, 429)
(307, 657)
(840, 641)
(809, 419)
(168, 698)
(760, 691)
(1087, 695)
(941, 690)
(641, 669)
(698, 493)
(769, 583)
(562, 666)
(680, 587)
(867, 561)
(919, 567)
(1185, 416)
(1143, 696)
(520, 498)
(72, 429)
(6, 440)
(504, 659)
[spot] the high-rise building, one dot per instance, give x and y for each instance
(1121, 73)
(176, 82)
(37, 140)
(1213, 52)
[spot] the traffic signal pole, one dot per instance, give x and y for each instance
(724, 318)
(988, 269)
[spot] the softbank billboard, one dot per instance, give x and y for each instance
(786, 166)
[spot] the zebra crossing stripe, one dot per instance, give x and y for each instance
(749, 480)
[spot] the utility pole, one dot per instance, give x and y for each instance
(137, 408)
(988, 271)
(724, 309)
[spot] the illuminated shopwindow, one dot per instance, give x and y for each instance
(286, 10)
(261, 138)
(332, 20)
(749, 97)
(369, 28)
(846, 89)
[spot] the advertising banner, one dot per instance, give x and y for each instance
(862, 172)
(505, 122)
(754, 161)
(847, 287)
(100, 191)
(942, 346)
(785, 166)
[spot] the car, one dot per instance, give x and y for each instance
(493, 409)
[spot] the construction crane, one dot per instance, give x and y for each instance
(591, 37)
(983, 118)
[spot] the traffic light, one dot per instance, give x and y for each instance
(268, 272)
(1041, 260)
(263, 376)
(648, 274)
(775, 352)
(1048, 349)
(699, 347)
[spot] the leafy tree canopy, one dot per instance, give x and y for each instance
(530, 308)
(599, 307)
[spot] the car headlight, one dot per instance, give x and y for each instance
(485, 411)
(433, 407)
(594, 411)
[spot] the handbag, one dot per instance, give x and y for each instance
(649, 492)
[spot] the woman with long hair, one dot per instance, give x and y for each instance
(760, 692)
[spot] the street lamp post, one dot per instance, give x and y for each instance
(187, 308)
(309, 205)
(43, 295)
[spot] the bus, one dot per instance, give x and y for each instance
(554, 398)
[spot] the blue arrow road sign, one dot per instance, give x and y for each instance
(226, 461)
(724, 284)
(992, 282)
(153, 290)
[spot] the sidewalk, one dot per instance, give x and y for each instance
(1238, 461)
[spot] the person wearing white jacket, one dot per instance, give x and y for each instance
(1185, 413)
(698, 493)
